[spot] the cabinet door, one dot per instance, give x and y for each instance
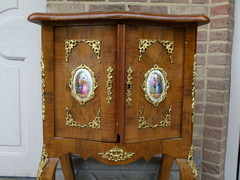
(85, 88)
(154, 83)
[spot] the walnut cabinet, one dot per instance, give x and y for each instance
(118, 87)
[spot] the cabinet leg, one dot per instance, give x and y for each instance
(67, 167)
(48, 171)
(186, 171)
(165, 167)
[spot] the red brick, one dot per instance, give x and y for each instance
(197, 131)
(220, 97)
(219, 60)
(148, 9)
(218, 84)
(189, 10)
(198, 119)
(199, 84)
(218, 1)
(201, 59)
(216, 109)
(220, 10)
(65, 8)
(220, 36)
(208, 176)
(212, 168)
(221, 48)
(200, 1)
(217, 134)
(171, 1)
(199, 95)
(216, 121)
(127, 0)
(221, 23)
(198, 108)
(213, 156)
(96, 8)
(201, 48)
(218, 72)
(200, 71)
(197, 141)
(214, 145)
(202, 35)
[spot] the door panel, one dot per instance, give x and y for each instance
(81, 76)
(157, 83)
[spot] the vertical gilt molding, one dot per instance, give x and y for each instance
(94, 44)
(109, 85)
(191, 162)
(43, 162)
(194, 86)
(129, 86)
(43, 86)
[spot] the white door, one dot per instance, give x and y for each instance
(20, 88)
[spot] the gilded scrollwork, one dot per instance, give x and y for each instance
(43, 87)
(194, 86)
(146, 43)
(155, 85)
(83, 84)
(109, 85)
(94, 124)
(129, 86)
(191, 162)
(143, 124)
(94, 44)
(169, 46)
(43, 162)
(116, 154)
(143, 45)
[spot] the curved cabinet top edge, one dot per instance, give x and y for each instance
(44, 17)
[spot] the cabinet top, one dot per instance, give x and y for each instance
(46, 17)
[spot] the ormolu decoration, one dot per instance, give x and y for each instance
(155, 85)
(116, 154)
(43, 87)
(43, 162)
(83, 84)
(143, 45)
(191, 163)
(94, 124)
(94, 44)
(109, 85)
(143, 124)
(169, 47)
(129, 86)
(194, 86)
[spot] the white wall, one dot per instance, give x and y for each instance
(234, 108)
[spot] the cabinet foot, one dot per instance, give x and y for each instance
(187, 172)
(48, 171)
(67, 168)
(165, 167)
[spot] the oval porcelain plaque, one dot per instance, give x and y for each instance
(83, 84)
(155, 85)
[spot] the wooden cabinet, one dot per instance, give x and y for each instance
(118, 87)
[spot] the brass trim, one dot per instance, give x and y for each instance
(191, 162)
(43, 86)
(94, 44)
(169, 46)
(94, 124)
(43, 162)
(194, 86)
(129, 85)
(164, 91)
(116, 154)
(94, 84)
(143, 45)
(143, 124)
(109, 85)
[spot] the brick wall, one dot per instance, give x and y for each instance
(213, 67)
